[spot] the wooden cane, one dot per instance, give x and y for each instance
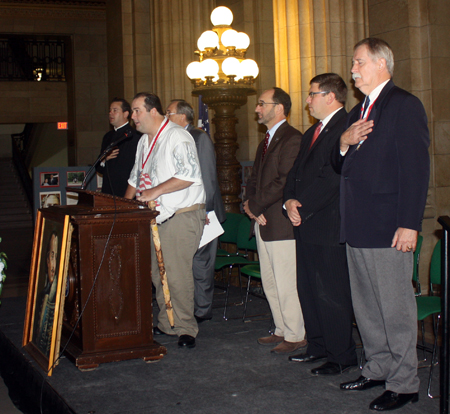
(162, 269)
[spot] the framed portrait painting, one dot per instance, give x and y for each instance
(45, 300)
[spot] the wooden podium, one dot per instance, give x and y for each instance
(109, 281)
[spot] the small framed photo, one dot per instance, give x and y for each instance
(75, 178)
(49, 198)
(45, 300)
(49, 179)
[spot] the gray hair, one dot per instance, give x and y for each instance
(378, 48)
(185, 108)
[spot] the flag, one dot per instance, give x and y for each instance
(203, 119)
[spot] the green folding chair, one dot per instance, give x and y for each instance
(245, 245)
(230, 226)
(431, 306)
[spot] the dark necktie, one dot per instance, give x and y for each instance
(266, 144)
(366, 106)
(316, 134)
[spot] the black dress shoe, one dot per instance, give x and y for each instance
(331, 368)
(306, 358)
(361, 384)
(157, 331)
(186, 341)
(199, 319)
(390, 400)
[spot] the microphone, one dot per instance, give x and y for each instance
(126, 135)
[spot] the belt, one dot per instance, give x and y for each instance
(191, 208)
(195, 207)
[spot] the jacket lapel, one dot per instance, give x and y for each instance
(275, 139)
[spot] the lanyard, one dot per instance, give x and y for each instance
(368, 111)
(153, 145)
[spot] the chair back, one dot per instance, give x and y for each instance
(435, 267)
(231, 226)
(415, 277)
(244, 242)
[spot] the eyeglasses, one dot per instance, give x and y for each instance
(170, 113)
(311, 94)
(262, 103)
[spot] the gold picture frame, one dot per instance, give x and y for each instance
(48, 276)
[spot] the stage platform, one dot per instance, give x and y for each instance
(228, 372)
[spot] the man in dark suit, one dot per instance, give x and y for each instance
(384, 164)
(312, 204)
(274, 234)
(182, 113)
(117, 164)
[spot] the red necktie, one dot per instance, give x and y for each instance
(266, 144)
(316, 134)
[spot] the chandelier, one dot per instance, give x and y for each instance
(221, 54)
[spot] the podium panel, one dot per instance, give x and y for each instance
(109, 280)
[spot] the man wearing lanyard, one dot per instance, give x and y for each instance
(274, 233)
(182, 113)
(384, 165)
(167, 170)
(312, 204)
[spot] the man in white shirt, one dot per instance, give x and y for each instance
(167, 171)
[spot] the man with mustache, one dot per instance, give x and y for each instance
(384, 165)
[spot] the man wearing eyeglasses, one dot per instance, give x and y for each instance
(182, 113)
(312, 204)
(274, 233)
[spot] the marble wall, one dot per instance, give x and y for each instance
(83, 99)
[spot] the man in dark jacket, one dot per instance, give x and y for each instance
(117, 164)
(311, 200)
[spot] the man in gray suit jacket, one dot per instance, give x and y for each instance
(182, 113)
(274, 233)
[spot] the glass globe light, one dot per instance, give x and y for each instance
(208, 39)
(242, 41)
(240, 74)
(229, 38)
(221, 16)
(231, 66)
(194, 70)
(249, 68)
(210, 68)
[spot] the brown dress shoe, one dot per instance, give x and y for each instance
(288, 347)
(270, 340)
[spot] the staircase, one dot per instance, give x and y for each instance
(15, 211)
(16, 230)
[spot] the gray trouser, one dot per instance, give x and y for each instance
(386, 314)
(203, 269)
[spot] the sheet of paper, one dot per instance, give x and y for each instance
(211, 230)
